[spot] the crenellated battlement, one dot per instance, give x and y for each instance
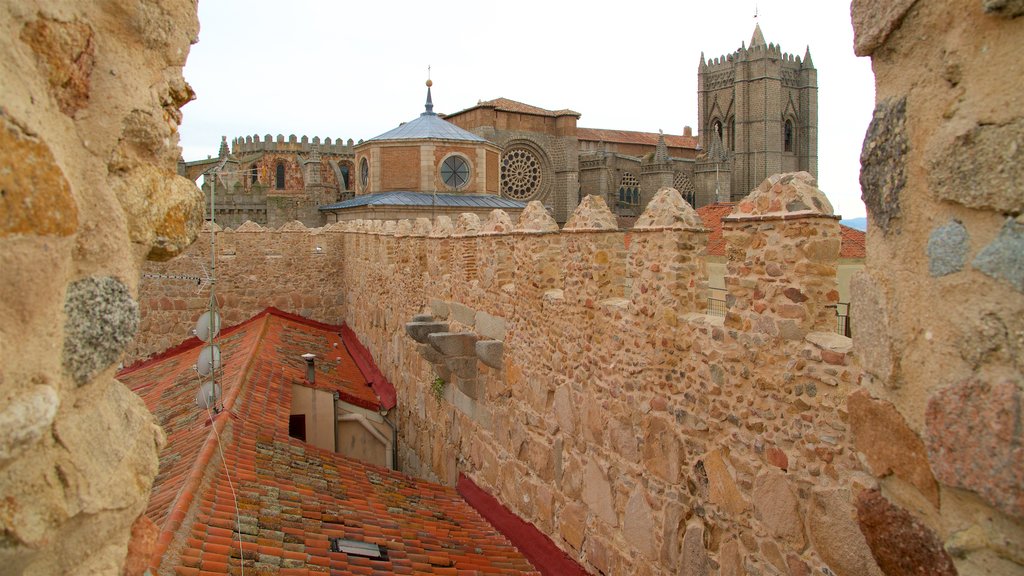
(247, 144)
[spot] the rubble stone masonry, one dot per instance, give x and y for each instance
(939, 310)
(89, 108)
(584, 386)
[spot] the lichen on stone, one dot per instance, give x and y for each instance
(883, 162)
(102, 318)
(1003, 258)
(947, 249)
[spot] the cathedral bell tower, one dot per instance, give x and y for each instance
(762, 105)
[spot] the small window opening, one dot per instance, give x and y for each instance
(788, 136)
(254, 174)
(297, 426)
(357, 548)
(280, 176)
(344, 177)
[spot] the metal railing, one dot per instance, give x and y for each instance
(716, 301)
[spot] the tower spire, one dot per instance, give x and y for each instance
(430, 102)
(757, 39)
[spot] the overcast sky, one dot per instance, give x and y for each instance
(357, 69)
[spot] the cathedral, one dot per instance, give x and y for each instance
(757, 116)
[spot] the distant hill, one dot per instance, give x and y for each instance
(858, 223)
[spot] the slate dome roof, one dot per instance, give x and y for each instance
(428, 126)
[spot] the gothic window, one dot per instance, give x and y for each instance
(787, 137)
(717, 127)
(254, 175)
(732, 133)
(629, 190)
(683, 184)
(455, 172)
(279, 180)
(344, 176)
(520, 174)
(364, 173)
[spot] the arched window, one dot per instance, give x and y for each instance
(629, 190)
(279, 182)
(344, 176)
(717, 127)
(254, 175)
(788, 136)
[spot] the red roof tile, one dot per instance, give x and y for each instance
(854, 243)
(285, 498)
(852, 246)
(631, 137)
(506, 105)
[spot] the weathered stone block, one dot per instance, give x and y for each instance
(876, 349)
(490, 327)
(463, 314)
(776, 505)
(419, 331)
(638, 523)
(572, 524)
(25, 420)
(695, 556)
(439, 308)
(900, 543)
(990, 177)
(465, 368)
(974, 438)
(874, 20)
(491, 353)
(947, 249)
(597, 494)
(891, 447)
(836, 536)
(722, 489)
(1003, 258)
(102, 318)
(883, 162)
(453, 344)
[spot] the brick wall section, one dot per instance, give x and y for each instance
(400, 168)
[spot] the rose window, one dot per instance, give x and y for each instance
(520, 174)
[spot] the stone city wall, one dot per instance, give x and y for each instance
(89, 108)
(291, 268)
(940, 306)
(582, 384)
(584, 388)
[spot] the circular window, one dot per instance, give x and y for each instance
(520, 174)
(364, 173)
(455, 172)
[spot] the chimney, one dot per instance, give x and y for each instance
(687, 131)
(310, 367)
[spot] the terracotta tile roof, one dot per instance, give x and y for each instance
(852, 246)
(854, 243)
(506, 105)
(291, 496)
(631, 137)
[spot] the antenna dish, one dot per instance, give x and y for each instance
(209, 360)
(209, 395)
(207, 329)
